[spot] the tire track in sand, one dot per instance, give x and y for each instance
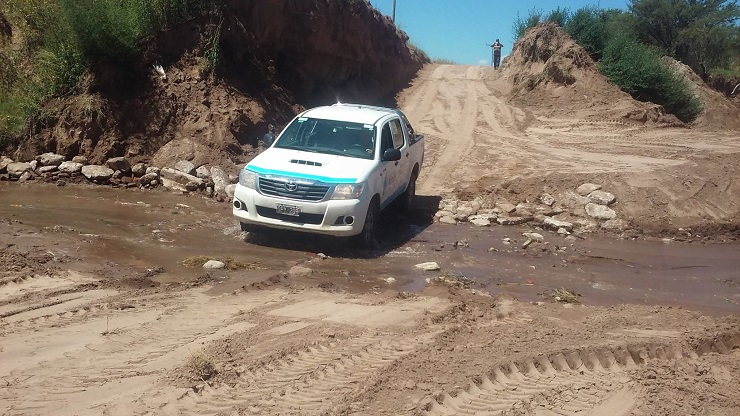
(458, 130)
(313, 381)
(580, 382)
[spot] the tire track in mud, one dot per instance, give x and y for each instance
(587, 381)
(76, 308)
(312, 381)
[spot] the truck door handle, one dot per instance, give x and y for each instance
(407, 155)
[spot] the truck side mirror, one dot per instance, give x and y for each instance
(391, 154)
(268, 139)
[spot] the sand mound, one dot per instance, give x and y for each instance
(550, 71)
(719, 110)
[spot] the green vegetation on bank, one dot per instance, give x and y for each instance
(54, 41)
(703, 34)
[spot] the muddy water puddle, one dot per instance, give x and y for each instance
(160, 230)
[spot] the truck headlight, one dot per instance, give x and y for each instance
(348, 191)
(248, 179)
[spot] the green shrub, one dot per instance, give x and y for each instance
(558, 16)
(443, 61)
(60, 38)
(520, 27)
(587, 26)
(637, 69)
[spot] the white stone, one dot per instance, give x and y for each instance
(600, 212)
(230, 190)
(203, 172)
(119, 163)
(547, 199)
(220, 180)
(481, 222)
(601, 197)
(16, 169)
(534, 236)
(47, 169)
(447, 220)
(70, 167)
(178, 176)
(573, 201)
(553, 224)
(153, 169)
(97, 173)
(185, 166)
(50, 159)
(587, 188)
(513, 220)
(4, 162)
(214, 264)
(139, 169)
(428, 266)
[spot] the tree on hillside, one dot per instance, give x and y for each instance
(701, 33)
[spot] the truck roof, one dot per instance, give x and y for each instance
(354, 113)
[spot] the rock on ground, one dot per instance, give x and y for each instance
(97, 173)
(600, 212)
(70, 167)
(587, 188)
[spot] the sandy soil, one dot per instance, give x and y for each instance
(481, 142)
(80, 336)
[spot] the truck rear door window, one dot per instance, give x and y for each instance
(397, 133)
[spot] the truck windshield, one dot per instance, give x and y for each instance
(332, 137)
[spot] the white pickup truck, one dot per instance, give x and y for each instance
(331, 171)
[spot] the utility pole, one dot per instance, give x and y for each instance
(393, 16)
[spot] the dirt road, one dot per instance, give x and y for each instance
(478, 138)
(105, 308)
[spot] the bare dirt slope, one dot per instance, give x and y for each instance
(274, 59)
(548, 121)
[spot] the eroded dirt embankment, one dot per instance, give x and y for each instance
(274, 58)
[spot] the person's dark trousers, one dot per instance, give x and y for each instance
(496, 61)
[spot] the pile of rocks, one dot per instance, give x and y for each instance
(118, 171)
(585, 209)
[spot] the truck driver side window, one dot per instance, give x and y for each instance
(397, 133)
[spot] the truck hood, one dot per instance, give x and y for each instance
(308, 165)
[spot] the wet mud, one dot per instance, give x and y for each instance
(158, 232)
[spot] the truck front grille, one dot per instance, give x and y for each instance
(292, 190)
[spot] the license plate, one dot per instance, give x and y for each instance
(291, 210)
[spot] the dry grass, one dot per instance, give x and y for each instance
(200, 366)
(565, 296)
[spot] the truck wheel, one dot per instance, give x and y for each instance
(366, 238)
(407, 198)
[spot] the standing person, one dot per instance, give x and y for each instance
(496, 48)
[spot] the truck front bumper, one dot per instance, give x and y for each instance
(340, 218)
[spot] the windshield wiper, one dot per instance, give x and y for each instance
(302, 149)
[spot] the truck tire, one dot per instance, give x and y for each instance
(366, 238)
(406, 200)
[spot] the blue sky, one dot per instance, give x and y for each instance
(459, 30)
